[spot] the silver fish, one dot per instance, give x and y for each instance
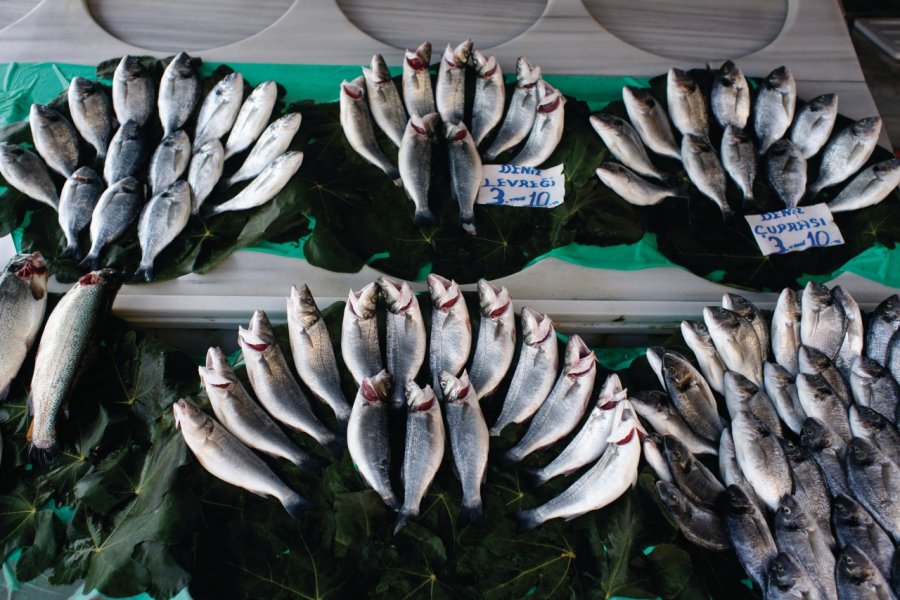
(854, 525)
(651, 122)
(241, 416)
(125, 153)
(893, 362)
(205, 170)
(313, 354)
(787, 580)
(692, 396)
(162, 219)
(55, 139)
(656, 408)
(118, 207)
(564, 407)
(878, 430)
(368, 436)
(384, 100)
(730, 472)
(520, 115)
(857, 576)
(782, 391)
(179, 93)
(535, 371)
(417, 94)
(547, 130)
(469, 440)
(742, 396)
(169, 161)
(450, 93)
(870, 187)
(265, 186)
(275, 386)
(687, 104)
(451, 330)
(133, 91)
(219, 109)
(701, 527)
(356, 122)
(273, 142)
(424, 450)
(405, 335)
(415, 165)
(697, 338)
(79, 196)
(92, 113)
(693, 478)
(786, 331)
(748, 310)
(705, 171)
(819, 400)
(852, 346)
(786, 172)
(823, 323)
(739, 160)
(873, 386)
(810, 487)
(846, 153)
(632, 187)
(360, 348)
(736, 342)
(813, 362)
(490, 96)
(826, 449)
(252, 118)
(624, 144)
(69, 335)
(654, 355)
(496, 341)
(730, 97)
(797, 533)
(25, 171)
(875, 480)
(883, 324)
(813, 124)
(465, 172)
(773, 110)
(762, 459)
(226, 458)
(654, 457)
(23, 301)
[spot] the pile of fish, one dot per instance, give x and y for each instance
(774, 133)
(533, 122)
(807, 447)
(464, 367)
(111, 161)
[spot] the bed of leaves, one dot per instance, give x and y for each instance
(145, 516)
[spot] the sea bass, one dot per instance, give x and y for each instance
(356, 121)
(547, 130)
(360, 348)
(465, 172)
(496, 341)
(417, 94)
(490, 96)
(451, 330)
(521, 113)
(368, 437)
(384, 100)
(405, 336)
(424, 449)
(415, 165)
(79, 196)
(450, 93)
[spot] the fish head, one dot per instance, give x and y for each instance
(130, 68)
(378, 71)
(190, 419)
(812, 360)
(290, 160)
(614, 401)
(865, 368)
(735, 136)
(729, 74)
(862, 452)
(788, 306)
(177, 191)
(814, 386)
(362, 303)
(425, 125)
(609, 172)
(176, 139)
(485, 66)
(458, 57)
(780, 80)
(456, 133)
(302, 305)
(419, 399)
(737, 501)
(85, 176)
(679, 371)
(493, 303)
(785, 573)
(31, 268)
(738, 304)
(217, 372)
(671, 496)
(816, 296)
(355, 90)
(722, 321)
(375, 389)
(886, 169)
(681, 81)
(696, 331)
(527, 75)
(611, 387)
(263, 91)
(739, 387)
(105, 280)
(455, 389)
(82, 87)
(129, 185)
(785, 149)
(230, 85)
(259, 335)
(44, 115)
(420, 59)
(815, 435)
(11, 151)
(846, 510)
(580, 359)
(609, 124)
(131, 131)
(551, 100)
(697, 144)
(398, 295)
(536, 327)
(866, 128)
(677, 453)
(182, 66)
(445, 293)
(290, 121)
(640, 98)
(855, 564)
(625, 429)
(790, 515)
(823, 103)
(650, 401)
(793, 451)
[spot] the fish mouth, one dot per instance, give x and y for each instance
(554, 101)
(362, 303)
(368, 391)
(252, 340)
(352, 90)
(580, 358)
(379, 70)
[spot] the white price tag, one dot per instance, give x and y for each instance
(795, 229)
(509, 185)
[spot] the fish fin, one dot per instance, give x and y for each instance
(72, 252)
(29, 406)
(424, 218)
(143, 274)
(468, 223)
(90, 263)
(403, 518)
(473, 513)
(30, 432)
(526, 520)
(295, 504)
(510, 459)
(534, 477)
(42, 456)
(336, 445)
(307, 462)
(4, 392)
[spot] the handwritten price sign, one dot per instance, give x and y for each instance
(795, 229)
(509, 185)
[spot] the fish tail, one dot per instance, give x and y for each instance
(72, 252)
(472, 512)
(468, 223)
(4, 391)
(510, 458)
(307, 461)
(534, 477)
(90, 263)
(424, 218)
(43, 456)
(403, 518)
(391, 502)
(295, 504)
(394, 174)
(335, 446)
(144, 273)
(526, 520)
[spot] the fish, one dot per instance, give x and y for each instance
(92, 113)
(736, 342)
(205, 170)
(275, 386)
(656, 408)
(624, 143)
(252, 118)
(313, 354)
(846, 153)
(384, 100)
(730, 97)
(424, 449)
(819, 400)
(651, 122)
(603, 483)
(273, 142)
(79, 196)
(729, 471)
(692, 396)
(797, 533)
(697, 338)
(469, 440)
(360, 347)
(773, 109)
(264, 186)
(761, 459)
(451, 330)
(813, 124)
(654, 355)
(810, 487)
(547, 130)
(226, 458)
(417, 94)
(162, 219)
(739, 160)
(787, 580)
(632, 187)
(700, 526)
(356, 121)
(883, 324)
(785, 332)
(117, 208)
(64, 350)
(169, 161)
(821, 443)
(125, 153)
(749, 534)
(368, 438)
(496, 341)
(854, 525)
(133, 91)
(782, 391)
(786, 172)
(490, 96)
(857, 577)
(465, 172)
(893, 362)
(823, 323)
(693, 478)
(23, 302)
(874, 479)
(450, 93)
(564, 407)
(55, 139)
(405, 336)
(653, 455)
(244, 418)
(687, 104)
(25, 171)
(535, 371)
(813, 362)
(742, 396)
(852, 346)
(872, 185)
(521, 113)
(705, 171)
(179, 93)
(748, 310)
(415, 165)
(219, 109)
(875, 428)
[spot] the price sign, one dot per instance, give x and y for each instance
(529, 187)
(795, 229)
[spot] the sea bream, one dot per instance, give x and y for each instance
(417, 93)
(748, 310)
(785, 331)
(92, 113)
(883, 324)
(773, 109)
(786, 172)
(852, 346)
(762, 459)
(687, 104)
(846, 153)
(692, 396)
(797, 533)
(384, 100)
(424, 449)
(693, 478)
(405, 336)
(414, 159)
(819, 400)
(656, 408)
(117, 208)
(875, 481)
(705, 171)
(868, 188)
(739, 160)
(133, 91)
(450, 93)
(651, 122)
(813, 124)
(368, 436)
(697, 338)
(854, 525)
(823, 323)
(873, 386)
(782, 391)
(624, 144)
(24, 170)
(814, 362)
(521, 113)
(742, 396)
(162, 219)
(810, 487)
(360, 347)
(356, 121)
(490, 96)
(179, 93)
(699, 525)
(730, 97)
(858, 578)
(824, 446)
(465, 172)
(169, 161)
(55, 139)
(252, 118)
(264, 186)
(496, 340)
(746, 527)
(207, 164)
(634, 188)
(273, 142)
(547, 130)
(736, 342)
(23, 301)
(79, 196)
(219, 109)
(451, 330)
(878, 430)
(125, 154)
